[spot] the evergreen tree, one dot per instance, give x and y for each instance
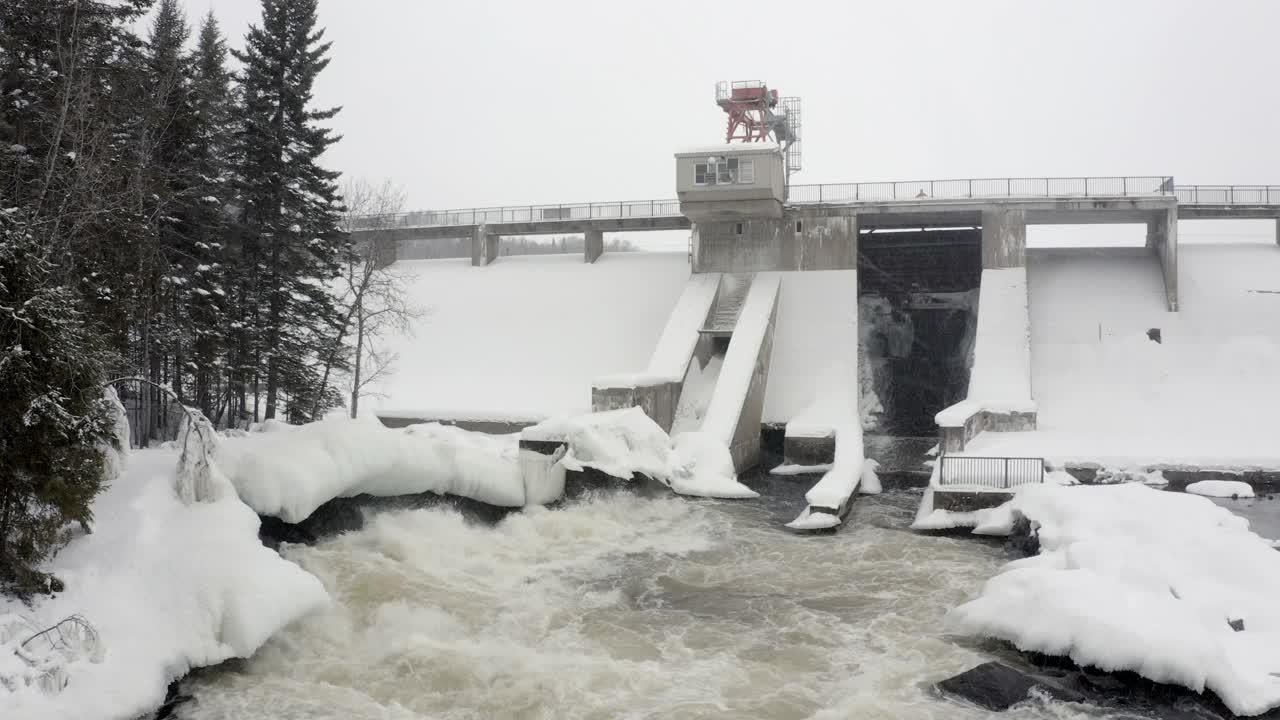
(291, 246)
(66, 177)
(212, 231)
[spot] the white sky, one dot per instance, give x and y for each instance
(473, 103)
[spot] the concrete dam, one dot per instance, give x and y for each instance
(913, 310)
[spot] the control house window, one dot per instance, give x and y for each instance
(725, 171)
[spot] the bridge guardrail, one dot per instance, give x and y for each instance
(524, 214)
(967, 188)
(1228, 194)
(959, 189)
(1001, 473)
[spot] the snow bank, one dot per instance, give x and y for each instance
(167, 587)
(523, 338)
(290, 474)
(1132, 578)
(1001, 377)
(624, 442)
(1221, 489)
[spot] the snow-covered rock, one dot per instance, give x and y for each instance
(1221, 489)
(1133, 578)
(624, 442)
(290, 474)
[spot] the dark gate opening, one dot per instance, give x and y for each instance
(918, 315)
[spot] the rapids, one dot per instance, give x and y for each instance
(623, 606)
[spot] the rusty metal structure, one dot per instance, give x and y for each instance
(756, 113)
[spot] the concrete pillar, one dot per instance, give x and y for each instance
(594, 245)
(484, 246)
(1162, 240)
(384, 251)
(1004, 239)
(1277, 231)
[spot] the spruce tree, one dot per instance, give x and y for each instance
(291, 245)
(65, 174)
(213, 232)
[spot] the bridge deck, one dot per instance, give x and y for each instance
(1047, 201)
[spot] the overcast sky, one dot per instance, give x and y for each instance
(474, 103)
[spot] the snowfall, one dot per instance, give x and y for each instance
(1128, 577)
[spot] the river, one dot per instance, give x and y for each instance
(624, 606)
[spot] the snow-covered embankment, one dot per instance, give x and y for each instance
(166, 586)
(1167, 585)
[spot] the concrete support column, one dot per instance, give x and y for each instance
(384, 251)
(1277, 231)
(1004, 239)
(484, 246)
(594, 245)
(1162, 240)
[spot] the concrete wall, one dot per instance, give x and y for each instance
(484, 246)
(745, 447)
(658, 400)
(954, 438)
(593, 245)
(798, 241)
(1162, 239)
(1004, 238)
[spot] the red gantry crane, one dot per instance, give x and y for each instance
(757, 114)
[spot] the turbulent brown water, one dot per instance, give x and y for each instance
(620, 606)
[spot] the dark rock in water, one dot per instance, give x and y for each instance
(332, 518)
(997, 686)
(173, 699)
(1127, 692)
(1023, 540)
(341, 515)
(1237, 625)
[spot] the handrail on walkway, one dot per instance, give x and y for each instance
(958, 189)
(1000, 473)
(1228, 194)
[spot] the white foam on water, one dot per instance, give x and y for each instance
(620, 606)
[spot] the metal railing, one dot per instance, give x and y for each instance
(523, 214)
(968, 188)
(963, 189)
(1228, 194)
(990, 472)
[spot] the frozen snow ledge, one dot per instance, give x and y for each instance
(626, 442)
(289, 475)
(1167, 585)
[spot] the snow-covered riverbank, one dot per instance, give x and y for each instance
(166, 586)
(1164, 584)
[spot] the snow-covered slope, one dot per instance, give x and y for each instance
(526, 336)
(166, 586)
(1205, 395)
(816, 334)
